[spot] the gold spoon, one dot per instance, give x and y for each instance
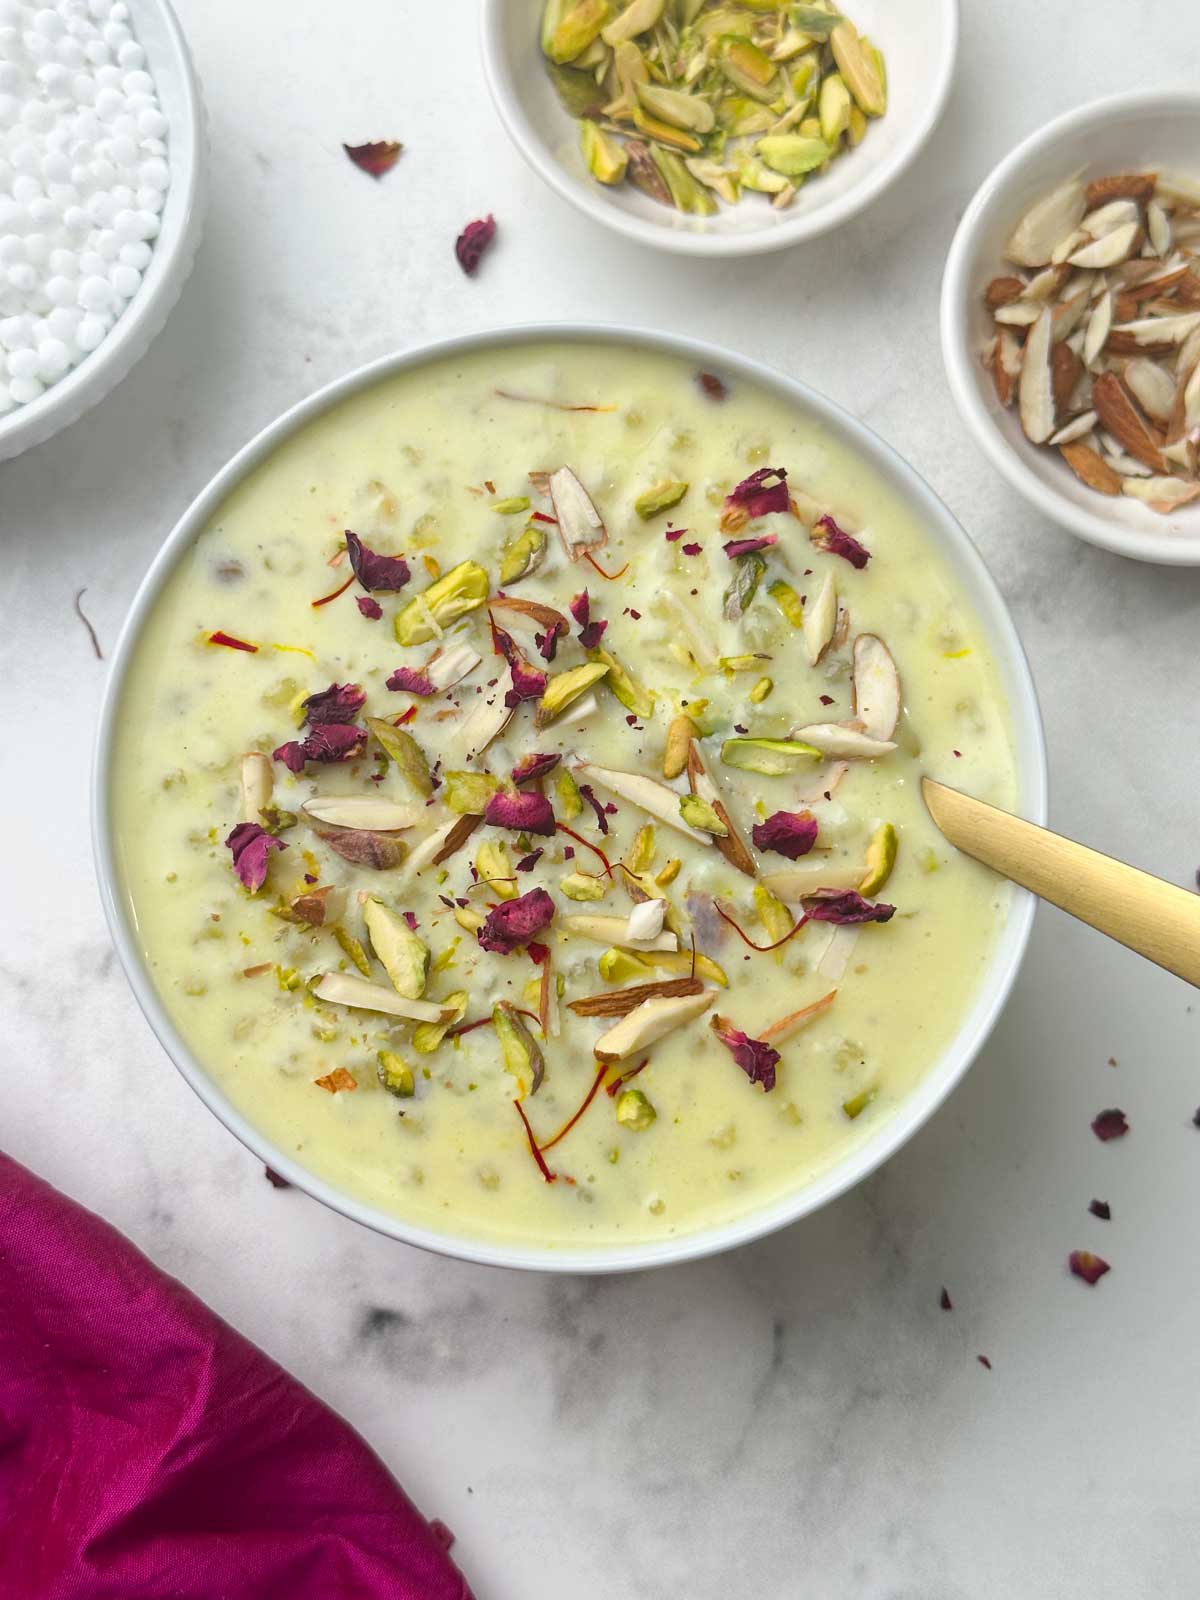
(1159, 920)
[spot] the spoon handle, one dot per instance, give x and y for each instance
(1159, 920)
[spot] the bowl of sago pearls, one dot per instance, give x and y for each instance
(102, 180)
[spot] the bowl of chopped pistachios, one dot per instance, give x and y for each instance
(718, 127)
(1071, 323)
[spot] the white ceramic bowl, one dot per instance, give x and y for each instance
(157, 30)
(1127, 133)
(919, 41)
(955, 548)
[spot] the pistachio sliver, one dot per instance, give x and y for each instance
(625, 689)
(652, 502)
(605, 158)
(451, 596)
(565, 687)
(770, 757)
(858, 68)
(400, 746)
(638, 17)
(395, 1074)
(792, 154)
(881, 859)
(404, 956)
(524, 554)
(676, 107)
(633, 1110)
(698, 813)
(520, 1051)
(721, 180)
(747, 67)
(576, 29)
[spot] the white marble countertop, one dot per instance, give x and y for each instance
(798, 1417)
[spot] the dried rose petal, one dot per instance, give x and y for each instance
(747, 547)
(274, 1179)
(1101, 1209)
(787, 833)
(473, 241)
(373, 571)
(251, 846)
(945, 1302)
(984, 1362)
(672, 534)
(411, 680)
(376, 158)
(537, 953)
(826, 535)
(762, 492)
(513, 923)
(691, 549)
(590, 633)
(589, 794)
(547, 644)
(756, 1059)
(845, 906)
(1091, 1268)
(1111, 1124)
(527, 863)
(528, 683)
(534, 766)
(712, 385)
(411, 918)
(526, 812)
(369, 608)
(341, 702)
(333, 741)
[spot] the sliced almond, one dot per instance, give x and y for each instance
(654, 797)
(1191, 401)
(1046, 284)
(1020, 314)
(1006, 367)
(1073, 241)
(1121, 417)
(838, 951)
(1002, 292)
(1126, 465)
(1151, 386)
(1045, 224)
(731, 845)
(1069, 315)
(1079, 429)
(1110, 248)
(1158, 227)
(787, 1027)
(649, 1022)
(1090, 467)
(613, 930)
(791, 884)
(580, 525)
(876, 688)
(1066, 369)
(345, 989)
(447, 667)
(1157, 331)
(373, 811)
(620, 1002)
(820, 619)
(822, 783)
(1177, 189)
(1187, 289)
(1034, 391)
(1106, 218)
(846, 741)
(257, 784)
(438, 845)
(1098, 328)
(1120, 186)
(1164, 494)
(511, 612)
(1081, 395)
(486, 719)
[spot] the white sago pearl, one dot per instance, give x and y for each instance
(37, 249)
(12, 248)
(91, 263)
(137, 254)
(154, 173)
(25, 188)
(103, 171)
(70, 53)
(151, 124)
(109, 102)
(24, 364)
(131, 56)
(25, 156)
(123, 196)
(95, 294)
(49, 23)
(101, 207)
(89, 332)
(16, 332)
(24, 390)
(44, 212)
(63, 321)
(36, 45)
(12, 216)
(76, 220)
(61, 291)
(56, 166)
(125, 280)
(53, 359)
(63, 263)
(22, 275)
(10, 110)
(151, 199)
(10, 76)
(6, 399)
(122, 150)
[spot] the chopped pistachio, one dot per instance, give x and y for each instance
(512, 506)
(565, 687)
(583, 886)
(469, 919)
(669, 873)
(616, 966)
(353, 949)
(859, 68)
(680, 962)
(404, 956)
(625, 689)
(881, 858)
(792, 153)
(395, 1074)
(771, 757)
(697, 813)
(721, 180)
(743, 663)
(858, 1103)
(816, 21)
(741, 117)
(634, 1111)
(676, 107)
(876, 55)
(462, 589)
(576, 29)
(833, 107)
(788, 601)
(641, 852)
(495, 869)
(604, 156)
(756, 175)
(552, 14)
(743, 586)
(467, 793)
(772, 913)
(520, 1051)
(680, 733)
(628, 70)
(747, 67)
(274, 819)
(566, 792)
(523, 555)
(427, 1036)
(761, 690)
(664, 134)
(856, 130)
(660, 498)
(638, 17)
(400, 746)
(686, 193)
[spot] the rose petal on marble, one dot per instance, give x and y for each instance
(1088, 1266)
(1111, 1124)
(473, 241)
(376, 157)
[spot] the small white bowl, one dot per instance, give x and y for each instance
(919, 41)
(1127, 133)
(943, 1073)
(169, 61)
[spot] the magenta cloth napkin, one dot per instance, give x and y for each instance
(149, 1452)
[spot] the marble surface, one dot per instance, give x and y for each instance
(798, 1418)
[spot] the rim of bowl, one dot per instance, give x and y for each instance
(699, 243)
(1161, 548)
(171, 263)
(942, 1075)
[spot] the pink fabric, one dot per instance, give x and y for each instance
(149, 1452)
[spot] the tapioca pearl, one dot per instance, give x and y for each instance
(137, 82)
(76, 221)
(55, 79)
(126, 124)
(90, 332)
(44, 212)
(10, 110)
(25, 187)
(154, 147)
(12, 215)
(99, 10)
(107, 246)
(115, 34)
(56, 167)
(61, 290)
(92, 264)
(11, 77)
(24, 364)
(54, 359)
(153, 173)
(49, 24)
(103, 171)
(81, 175)
(127, 225)
(22, 275)
(62, 195)
(125, 280)
(37, 45)
(123, 196)
(70, 52)
(136, 254)
(37, 249)
(25, 390)
(122, 151)
(109, 76)
(119, 12)
(63, 263)
(37, 116)
(109, 102)
(96, 52)
(151, 199)
(10, 12)
(62, 322)
(101, 207)
(95, 294)
(150, 224)
(132, 56)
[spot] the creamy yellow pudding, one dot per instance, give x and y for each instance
(424, 852)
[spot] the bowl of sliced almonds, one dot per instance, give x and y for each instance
(1071, 323)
